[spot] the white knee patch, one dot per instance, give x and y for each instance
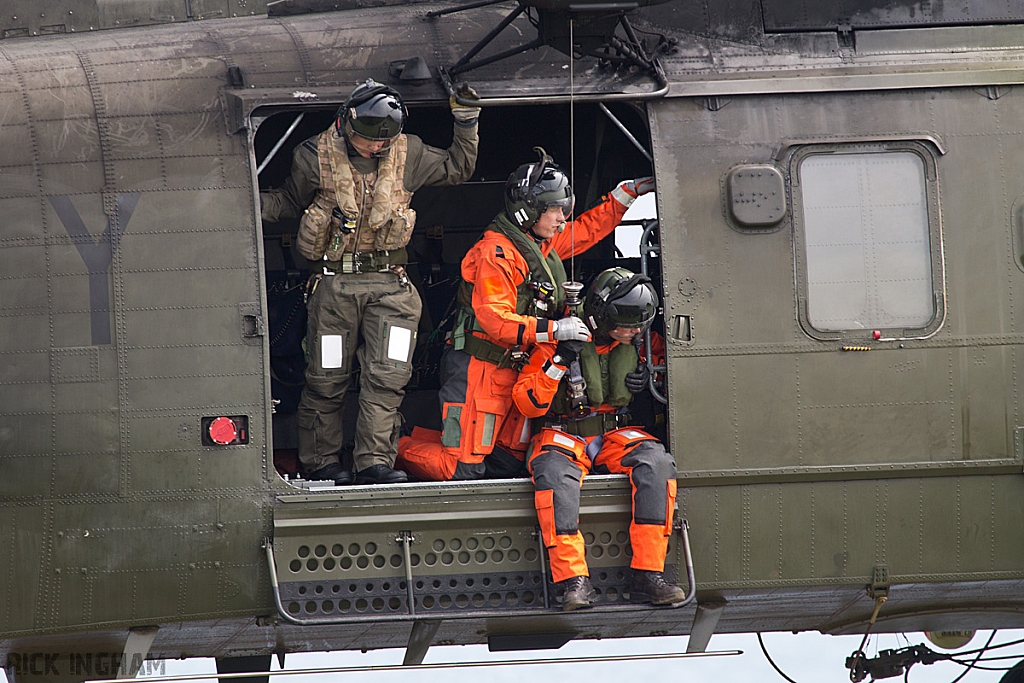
(331, 348)
(399, 343)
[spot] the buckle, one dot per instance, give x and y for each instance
(383, 266)
(351, 263)
(514, 358)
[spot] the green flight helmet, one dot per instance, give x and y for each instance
(619, 298)
(534, 188)
(372, 111)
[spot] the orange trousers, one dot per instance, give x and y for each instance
(559, 463)
(478, 419)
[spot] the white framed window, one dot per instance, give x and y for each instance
(867, 240)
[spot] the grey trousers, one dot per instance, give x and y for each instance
(372, 317)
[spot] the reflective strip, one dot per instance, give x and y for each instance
(622, 197)
(399, 343)
(543, 337)
(553, 371)
(524, 435)
(487, 438)
(331, 347)
(563, 440)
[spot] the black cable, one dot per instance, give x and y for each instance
(979, 667)
(769, 658)
(980, 653)
(994, 647)
(989, 659)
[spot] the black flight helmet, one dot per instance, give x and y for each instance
(534, 188)
(373, 111)
(619, 298)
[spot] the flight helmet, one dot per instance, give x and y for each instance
(372, 111)
(619, 298)
(534, 188)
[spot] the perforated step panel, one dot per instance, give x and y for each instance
(341, 555)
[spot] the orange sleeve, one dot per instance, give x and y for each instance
(496, 269)
(588, 229)
(538, 382)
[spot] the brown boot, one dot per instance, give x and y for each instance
(578, 593)
(651, 587)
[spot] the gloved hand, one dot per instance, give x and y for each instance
(571, 328)
(636, 381)
(628, 190)
(568, 351)
(460, 112)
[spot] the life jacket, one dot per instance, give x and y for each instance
(605, 374)
(541, 269)
(383, 223)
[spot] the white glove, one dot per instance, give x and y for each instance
(570, 329)
(628, 190)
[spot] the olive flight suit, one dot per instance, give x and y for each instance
(363, 305)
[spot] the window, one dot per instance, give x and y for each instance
(867, 240)
(629, 232)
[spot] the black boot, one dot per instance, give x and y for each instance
(381, 474)
(651, 587)
(578, 593)
(341, 475)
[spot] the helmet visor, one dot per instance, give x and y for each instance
(566, 205)
(631, 317)
(375, 129)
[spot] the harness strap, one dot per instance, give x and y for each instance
(592, 425)
(493, 353)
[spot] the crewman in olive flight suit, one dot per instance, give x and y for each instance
(579, 395)
(352, 185)
(510, 299)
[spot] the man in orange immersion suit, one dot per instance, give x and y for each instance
(509, 300)
(579, 394)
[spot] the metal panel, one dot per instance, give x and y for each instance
(784, 15)
(470, 554)
(751, 390)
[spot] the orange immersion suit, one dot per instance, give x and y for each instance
(566, 449)
(483, 435)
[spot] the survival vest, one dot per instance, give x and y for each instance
(383, 223)
(605, 374)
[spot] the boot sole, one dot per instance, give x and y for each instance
(576, 606)
(643, 598)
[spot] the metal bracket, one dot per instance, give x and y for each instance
(420, 638)
(879, 587)
(406, 539)
(253, 326)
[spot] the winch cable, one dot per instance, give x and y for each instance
(767, 656)
(572, 152)
(970, 666)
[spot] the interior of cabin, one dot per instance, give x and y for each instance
(586, 139)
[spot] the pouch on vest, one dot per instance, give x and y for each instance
(314, 230)
(396, 232)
